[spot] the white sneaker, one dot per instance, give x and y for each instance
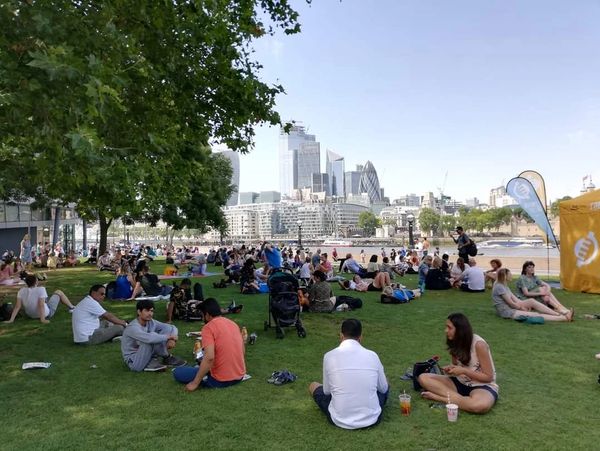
(598, 356)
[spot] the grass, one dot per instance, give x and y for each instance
(547, 377)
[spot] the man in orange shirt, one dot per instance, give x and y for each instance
(223, 363)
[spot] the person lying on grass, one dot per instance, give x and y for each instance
(470, 381)
(509, 306)
(530, 286)
(35, 302)
(146, 343)
(381, 280)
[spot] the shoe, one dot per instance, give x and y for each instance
(71, 309)
(236, 309)
(154, 366)
(598, 356)
(173, 361)
(117, 339)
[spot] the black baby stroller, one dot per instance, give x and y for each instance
(284, 303)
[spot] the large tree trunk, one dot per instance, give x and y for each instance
(104, 225)
(84, 244)
(55, 234)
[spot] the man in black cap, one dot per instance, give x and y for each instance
(462, 241)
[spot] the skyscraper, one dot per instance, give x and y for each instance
(335, 171)
(369, 182)
(299, 158)
(308, 162)
(234, 158)
(352, 180)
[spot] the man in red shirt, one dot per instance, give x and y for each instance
(223, 363)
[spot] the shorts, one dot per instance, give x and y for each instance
(52, 304)
(465, 390)
(372, 287)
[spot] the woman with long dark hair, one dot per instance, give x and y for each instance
(470, 381)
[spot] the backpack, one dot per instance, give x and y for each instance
(6, 309)
(472, 248)
(111, 287)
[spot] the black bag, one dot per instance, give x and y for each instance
(472, 248)
(198, 292)
(353, 303)
(429, 366)
(6, 309)
(111, 287)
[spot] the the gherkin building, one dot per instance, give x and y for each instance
(369, 182)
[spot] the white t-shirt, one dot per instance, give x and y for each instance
(353, 375)
(86, 319)
(475, 278)
(30, 298)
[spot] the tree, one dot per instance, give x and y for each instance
(112, 105)
(429, 221)
(368, 222)
(555, 206)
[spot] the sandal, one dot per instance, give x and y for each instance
(285, 377)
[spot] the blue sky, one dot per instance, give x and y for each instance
(481, 90)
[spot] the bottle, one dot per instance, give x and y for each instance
(245, 334)
(252, 338)
(198, 353)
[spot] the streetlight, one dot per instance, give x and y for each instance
(411, 219)
(299, 222)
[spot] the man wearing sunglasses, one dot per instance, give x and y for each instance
(92, 324)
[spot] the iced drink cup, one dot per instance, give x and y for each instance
(452, 411)
(405, 404)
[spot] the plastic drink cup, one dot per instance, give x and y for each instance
(404, 404)
(452, 411)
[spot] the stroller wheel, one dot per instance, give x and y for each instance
(302, 332)
(266, 326)
(279, 332)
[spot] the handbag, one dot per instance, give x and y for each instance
(428, 366)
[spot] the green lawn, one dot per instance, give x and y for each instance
(547, 376)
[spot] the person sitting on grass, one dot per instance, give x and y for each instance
(354, 388)
(391, 269)
(436, 279)
(91, 323)
(223, 363)
(472, 279)
(146, 343)
(492, 274)
(320, 294)
(372, 266)
(71, 261)
(351, 265)
(34, 300)
(325, 265)
(7, 276)
(470, 381)
(105, 262)
(248, 284)
(424, 270)
(149, 284)
(530, 286)
(124, 282)
(509, 306)
(381, 280)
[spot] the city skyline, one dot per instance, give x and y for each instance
(481, 92)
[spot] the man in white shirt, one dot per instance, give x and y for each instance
(87, 327)
(34, 300)
(473, 278)
(354, 388)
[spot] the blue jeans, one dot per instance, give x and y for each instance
(186, 374)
